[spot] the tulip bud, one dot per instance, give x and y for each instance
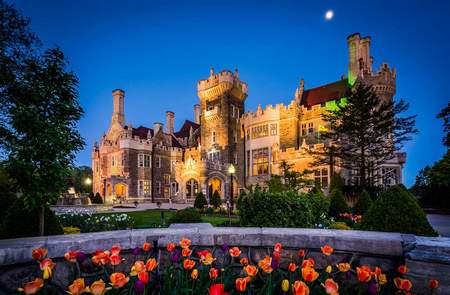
(328, 269)
(285, 286)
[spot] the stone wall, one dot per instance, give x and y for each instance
(425, 257)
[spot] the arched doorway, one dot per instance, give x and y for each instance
(120, 190)
(109, 190)
(191, 188)
(214, 185)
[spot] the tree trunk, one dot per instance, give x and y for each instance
(41, 220)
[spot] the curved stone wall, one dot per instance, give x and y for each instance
(425, 257)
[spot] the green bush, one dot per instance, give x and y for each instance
(188, 215)
(215, 201)
(396, 210)
(320, 205)
(97, 199)
(338, 204)
(7, 194)
(19, 222)
(336, 182)
(363, 204)
(283, 209)
(200, 201)
(340, 225)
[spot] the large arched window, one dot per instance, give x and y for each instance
(191, 188)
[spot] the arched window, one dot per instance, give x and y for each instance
(191, 188)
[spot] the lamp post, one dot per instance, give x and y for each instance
(88, 181)
(230, 204)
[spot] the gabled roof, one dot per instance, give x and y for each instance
(325, 93)
(185, 129)
(142, 132)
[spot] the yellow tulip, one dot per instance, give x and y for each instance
(328, 269)
(285, 286)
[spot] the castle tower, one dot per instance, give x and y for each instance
(118, 109)
(359, 56)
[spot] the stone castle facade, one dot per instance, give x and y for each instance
(161, 164)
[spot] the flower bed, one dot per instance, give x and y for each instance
(215, 271)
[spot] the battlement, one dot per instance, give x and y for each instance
(220, 83)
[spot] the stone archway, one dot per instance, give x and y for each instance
(121, 190)
(215, 184)
(191, 187)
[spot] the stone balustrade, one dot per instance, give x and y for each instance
(425, 257)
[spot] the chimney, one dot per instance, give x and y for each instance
(118, 109)
(169, 121)
(157, 126)
(197, 113)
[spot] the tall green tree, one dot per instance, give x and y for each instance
(40, 133)
(77, 179)
(364, 133)
(289, 180)
(445, 116)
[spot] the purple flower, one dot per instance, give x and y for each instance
(136, 251)
(224, 247)
(372, 289)
(274, 264)
(176, 256)
(81, 257)
(139, 287)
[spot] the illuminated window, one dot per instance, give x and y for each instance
(303, 129)
(235, 137)
(143, 160)
(260, 131)
(113, 161)
(158, 187)
(248, 134)
(235, 158)
(321, 177)
(140, 188)
(273, 129)
(248, 163)
(214, 136)
(166, 179)
(191, 188)
(158, 162)
(310, 128)
(146, 187)
(260, 161)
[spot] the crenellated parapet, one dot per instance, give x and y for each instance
(221, 83)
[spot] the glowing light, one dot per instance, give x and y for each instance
(329, 14)
(231, 169)
(88, 181)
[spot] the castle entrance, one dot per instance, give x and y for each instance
(120, 190)
(214, 185)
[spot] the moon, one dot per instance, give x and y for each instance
(329, 14)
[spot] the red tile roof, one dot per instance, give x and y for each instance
(325, 93)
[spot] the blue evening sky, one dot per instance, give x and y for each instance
(157, 50)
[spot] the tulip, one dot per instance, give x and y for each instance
(266, 264)
(47, 266)
(81, 257)
(344, 267)
(188, 264)
(244, 261)
(136, 251)
(308, 262)
(39, 253)
(251, 270)
(185, 243)
(151, 264)
(208, 259)
(170, 247)
(276, 256)
(300, 288)
(278, 247)
(144, 277)
(285, 285)
(331, 287)
(146, 247)
(309, 274)
(224, 247)
(213, 273)
(301, 253)
(372, 289)
(77, 287)
(115, 250)
(100, 258)
(137, 267)
(328, 269)
(32, 287)
(71, 256)
(118, 280)
(292, 267)
(217, 289)
(176, 256)
(433, 284)
(194, 274)
(235, 252)
(115, 259)
(364, 274)
(402, 269)
(241, 284)
(403, 284)
(97, 288)
(139, 287)
(327, 250)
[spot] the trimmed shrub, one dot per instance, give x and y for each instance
(338, 204)
(97, 199)
(283, 209)
(396, 210)
(188, 215)
(20, 222)
(200, 201)
(320, 205)
(340, 225)
(363, 204)
(215, 201)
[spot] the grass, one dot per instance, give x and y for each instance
(153, 218)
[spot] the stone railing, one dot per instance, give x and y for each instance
(425, 257)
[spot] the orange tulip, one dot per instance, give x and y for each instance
(146, 247)
(403, 284)
(71, 256)
(364, 273)
(213, 273)
(308, 262)
(327, 250)
(300, 288)
(278, 247)
(39, 253)
(301, 253)
(194, 274)
(77, 287)
(115, 259)
(171, 246)
(137, 267)
(266, 264)
(151, 264)
(241, 284)
(244, 261)
(186, 252)
(185, 243)
(344, 267)
(309, 274)
(292, 267)
(97, 288)
(433, 284)
(402, 269)
(118, 280)
(115, 250)
(331, 287)
(100, 258)
(32, 287)
(47, 266)
(276, 256)
(251, 270)
(235, 252)
(144, 277)
(208, 259)
(188, 264)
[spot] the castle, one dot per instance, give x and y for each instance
(225, 149)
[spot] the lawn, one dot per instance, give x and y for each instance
(159, 218)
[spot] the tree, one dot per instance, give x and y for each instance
(363, 204)
(445, 115)
(77, 179)
(40, 133)
(364, 133)
(338, 205)
(200, 201)
(289, 180)
(216, 201)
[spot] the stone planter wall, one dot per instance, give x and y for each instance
(425, 257)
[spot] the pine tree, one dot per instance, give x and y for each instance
(363, 204)
(200, 201)
(216, 201)
(338, 205)
(364, 133)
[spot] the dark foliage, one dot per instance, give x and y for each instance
(338, 205)
(320, 205)
(215, 201)
(7, 194)
(200, 201)
(188, 215)
(363, 204)
(97, 199)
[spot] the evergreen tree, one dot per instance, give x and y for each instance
(338, 205)
(97, 199)
(200, 201)
(445, 115)
(363, 204)
(364, 133)
(289, 180)
(216, 201)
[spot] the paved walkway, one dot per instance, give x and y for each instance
(148, 206)
(441, 223)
